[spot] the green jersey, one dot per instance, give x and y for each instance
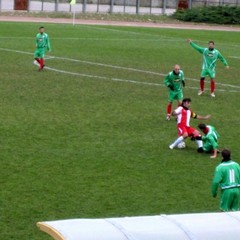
(42, 41)
(210, 57)
(226, 176)
(175, 80)
(211, 137)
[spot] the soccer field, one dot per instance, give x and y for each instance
(87, 137)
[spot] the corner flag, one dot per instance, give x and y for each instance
(73, 2)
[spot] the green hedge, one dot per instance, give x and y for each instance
(219, 15)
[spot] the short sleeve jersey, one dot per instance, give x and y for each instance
(174, 80)
(227, 175)
(184, 115)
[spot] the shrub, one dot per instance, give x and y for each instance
(219, 15)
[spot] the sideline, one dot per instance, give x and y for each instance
(121, 23)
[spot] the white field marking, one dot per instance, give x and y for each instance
(134, 69)
(234, 57)
(162, 37)
(107, 29)
(110, 66)
(113, 66)
(159, 40)
(101, 77)
(16, 51)
(122, 80)
(49, 57)
(105, 39)
(103, 27)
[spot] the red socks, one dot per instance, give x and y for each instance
(169, 108)
(41, 61)
(202, 84)
(38, 60)
(212, 86)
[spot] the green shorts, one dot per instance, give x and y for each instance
(39, 53)
(175, 95)
(208, 72)
(230, 199)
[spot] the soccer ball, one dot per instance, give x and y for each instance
(181, 145)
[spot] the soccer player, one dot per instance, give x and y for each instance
(227, 177)
(184, 114)
(174, 81)
(210, 140)
(42, 45)
(210, 57)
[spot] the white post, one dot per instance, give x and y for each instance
(74, 13)
(73, 3)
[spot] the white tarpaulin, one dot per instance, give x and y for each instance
(199, 226)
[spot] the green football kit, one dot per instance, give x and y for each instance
(42, 44)
(210, 140)
(210, 58)
(175, 82)
(227, 177)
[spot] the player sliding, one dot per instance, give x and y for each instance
(184, 114)
(42, 45)
(210, 57)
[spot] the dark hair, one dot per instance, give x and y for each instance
(202, 126)
(211, 42)
(186, 100)
(226, 154)
(41, 27)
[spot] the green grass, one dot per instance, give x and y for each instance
(90, 140)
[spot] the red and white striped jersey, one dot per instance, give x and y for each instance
(184, 115)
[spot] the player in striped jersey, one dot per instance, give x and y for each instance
(227, 177)
(184, 114)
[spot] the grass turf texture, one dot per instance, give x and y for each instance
(81, 146)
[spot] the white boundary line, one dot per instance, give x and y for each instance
(126, 80)
(235, 57)
(117, 67)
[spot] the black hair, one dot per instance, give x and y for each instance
(41, 27)
(186, 100)
(211, 42)
(202, 126)
(226, 154)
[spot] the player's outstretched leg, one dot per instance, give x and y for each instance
(176, 142)
(199, 142)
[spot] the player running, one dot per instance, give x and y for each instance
(42, 45)
(210, 57)
(174, 81)
(184, 114)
